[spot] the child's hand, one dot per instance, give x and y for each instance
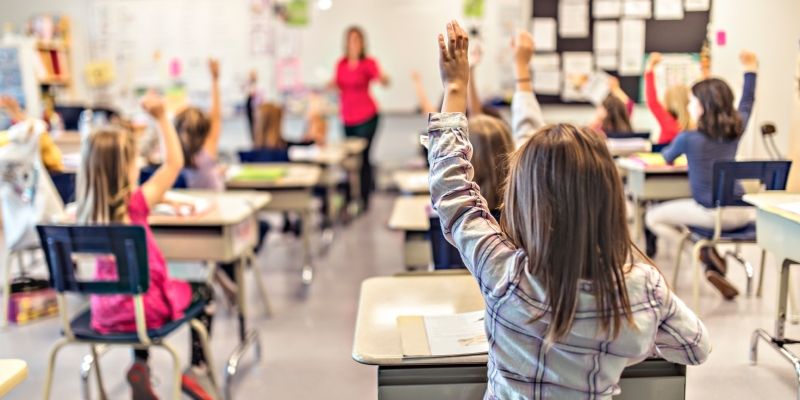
(153, 104)
(13, 109)
(453, 58)
(523, 48)
(213, 67)
(749, 60)
(655, 59)
(415, 76)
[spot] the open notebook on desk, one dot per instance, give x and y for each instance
(443, 335)
(181, 205)
(255, 173)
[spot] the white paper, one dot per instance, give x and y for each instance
(606, 36)
(575, 64)
(544, 34)
(631, 54)
(547, 81)
(668, 9)
(607, 8)
(573, 19)
(546, 61)
(608, 62)
(596, 88)
(697, 5)
(637, 8)
(457, 334)
(791, 207)
(676, 69)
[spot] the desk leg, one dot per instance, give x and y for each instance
(783, 293)
(247, 337)
(307, 274)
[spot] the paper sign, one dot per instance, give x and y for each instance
(544, 34)
(546, 61)
(637, 9)
(573, 19)
(606, 36)
(596, 88)
(546, 74)
(577, 66)
(668, 9)
(631, 54)
(722, 38)
(607, 62)
(697, 5)
(473, 8)
(607, 8)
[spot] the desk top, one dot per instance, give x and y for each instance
(383, 299)
(412, 181)
(631, 165)
(298, 175)
(228, 208)
(770, 201)
(67, 137)
(329, 154)
(410, 213)
(12, 373)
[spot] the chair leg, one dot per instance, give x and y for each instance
(761, 273)
(678, 255)
(98, 375)
(202, 333)
(51, 365)
(748, 268)
(176, 365)
(697, 274)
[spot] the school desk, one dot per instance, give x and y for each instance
(652, 183)
(377, 342)
(12, 373)
(291, 192)
(226, 233)
(779, 233)
(411, 181)
(410, 216)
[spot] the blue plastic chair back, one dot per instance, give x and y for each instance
(125, 242)
(264, 156)
(148, 171)
(65, 185)
(657, 148)
(628, 135)
(771, 174)
(445, 255)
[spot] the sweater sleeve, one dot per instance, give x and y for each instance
(748, 97)
(526, 116)
(664, 118)
(676, 148)
(681, 336)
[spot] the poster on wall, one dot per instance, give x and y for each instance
(473, 8)
(573, 19)
(631, 52)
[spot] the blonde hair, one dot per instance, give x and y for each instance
(103, 184)
(676, 101)
(491, 143)
(551, 178)
(268, 131)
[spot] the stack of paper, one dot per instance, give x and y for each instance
(443, 336)
(181, 205)
(628, 146)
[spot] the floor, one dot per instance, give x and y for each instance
(307, 343)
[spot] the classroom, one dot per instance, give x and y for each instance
(396, 200)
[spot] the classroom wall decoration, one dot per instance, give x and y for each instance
(577, 37)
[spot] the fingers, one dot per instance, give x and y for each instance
(451, 39)
(442, 49)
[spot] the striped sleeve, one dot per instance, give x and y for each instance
(681, 337)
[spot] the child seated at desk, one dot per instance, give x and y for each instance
(613, 115)
(108, 193)
(719, 128)
(570, 301)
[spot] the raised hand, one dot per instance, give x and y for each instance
(454, 67)
(749, 60)
(653, 60)
(523, 48)
(12, 107)
(153, 104)
(213, 68)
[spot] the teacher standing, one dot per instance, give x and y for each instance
(354, 74)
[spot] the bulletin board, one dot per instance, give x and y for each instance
(666, 36)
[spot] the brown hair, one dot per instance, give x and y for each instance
(103, 184)
(676, 101)
(617, 119)
(360, 32)
(565, 207)
(491, 143)
(719, 120)
(193, 127)
(268, 129)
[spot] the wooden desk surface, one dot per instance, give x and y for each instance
(634, 166)
(383, 299)
(329, 154)
(12, 373)
(228, 208)
(411, 181)
(298, 175)
(410, 213)
(770, 201)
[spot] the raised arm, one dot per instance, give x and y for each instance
(425, 105)
(211, 145)
(663, 117)
(465, 218)
(681, 337)
(750, 64)
(676, 148)
(164, 177)
(526, 114)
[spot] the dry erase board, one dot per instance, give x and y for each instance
(667, 36)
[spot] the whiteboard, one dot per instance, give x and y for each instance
(142, 37)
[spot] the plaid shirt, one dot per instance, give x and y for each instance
(586, 363)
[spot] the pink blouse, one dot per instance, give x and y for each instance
(356, 103)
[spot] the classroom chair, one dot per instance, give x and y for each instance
(445, 255)
(628, 135)
(71, 114)
(146, 172)
(65, 185)
(772, 175)
(264, 156)
(63, 245)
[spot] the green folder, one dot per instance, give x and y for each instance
(249, 173)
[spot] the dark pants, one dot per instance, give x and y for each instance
(249, 107)
(366, 131)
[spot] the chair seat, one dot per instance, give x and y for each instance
(82, 327)
(743, 234)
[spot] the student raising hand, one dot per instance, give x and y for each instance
(749, 61)
(454, 68)
(523, 48)
(652, 61)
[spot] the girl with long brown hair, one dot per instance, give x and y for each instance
(569, 302)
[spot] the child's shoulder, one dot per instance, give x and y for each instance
(643, 276)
